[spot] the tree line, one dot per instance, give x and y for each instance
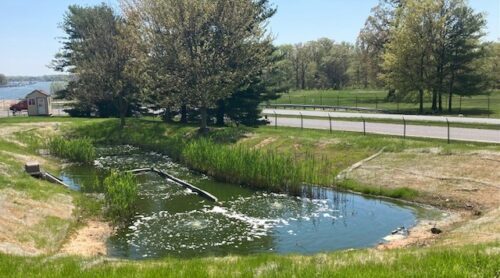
(410, 47)
(214, 60)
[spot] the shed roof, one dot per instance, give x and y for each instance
(39, 91)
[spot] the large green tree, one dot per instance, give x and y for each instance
(434, 47)
(203, 50)
(407, 59)
(101, 52)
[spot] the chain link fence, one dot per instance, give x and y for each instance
(476, 106)
(402, 128)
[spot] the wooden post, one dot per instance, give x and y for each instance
(275, 120)
(301, 121)
(330, 118)
(404, 128)
(448, 124)
(364, 125)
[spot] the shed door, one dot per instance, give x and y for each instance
(40, 106)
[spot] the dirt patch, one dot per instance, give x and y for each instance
(32, 227)
(90, 240)
(479, 230)
(468, 184)
(467, 181)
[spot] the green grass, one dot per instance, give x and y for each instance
(466, 261)
(77, 150)
(121, 192)
(476, 106)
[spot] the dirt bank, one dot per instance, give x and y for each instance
(90, 240)
(465, 184)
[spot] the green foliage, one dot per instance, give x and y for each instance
(121, 191)
(241, 165)
(199, 74)
(101, 52)
(398, 193)
(77, 150)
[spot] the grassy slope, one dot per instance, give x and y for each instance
(468, 261)
(16, 148)
(476, 106)
(342, 148)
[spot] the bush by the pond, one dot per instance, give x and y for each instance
(78, 150)
(121, 191)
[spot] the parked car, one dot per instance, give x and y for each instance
(20, 106)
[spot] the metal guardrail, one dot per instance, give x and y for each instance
(324, 107)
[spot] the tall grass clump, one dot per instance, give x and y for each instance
(121, 193)
(241, 165)
(77, 150)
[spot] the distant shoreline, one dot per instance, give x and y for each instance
(18, 84)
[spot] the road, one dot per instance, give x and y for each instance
(437, 132)
(324, 114)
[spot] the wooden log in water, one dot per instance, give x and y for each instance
(201, 192)
(187, 185)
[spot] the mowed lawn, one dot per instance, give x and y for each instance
(475, 106)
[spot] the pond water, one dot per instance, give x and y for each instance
(172, 221)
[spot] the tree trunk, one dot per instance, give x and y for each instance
(450, 96)
(203, 124)
(122, 109)
(122, 120)
(421, 101)
(434, 102)
(184, 114)
(221, 110)
(450, 92)
(167, 115)
(440, 102)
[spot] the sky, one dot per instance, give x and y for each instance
(30, 33)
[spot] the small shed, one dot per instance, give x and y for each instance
(39, 103)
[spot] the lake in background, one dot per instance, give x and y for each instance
(22, 91)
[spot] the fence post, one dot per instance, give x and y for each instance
(301, 121)
(448, 124)
(275, 120)
(321, 98)
(305, 100)
(404, 128)
(330, 119)
(364, 125)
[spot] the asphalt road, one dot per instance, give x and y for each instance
(324, 114)
(437, 132)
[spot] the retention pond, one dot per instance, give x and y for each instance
(172, 221)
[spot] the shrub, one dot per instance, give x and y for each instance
(121, 192)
